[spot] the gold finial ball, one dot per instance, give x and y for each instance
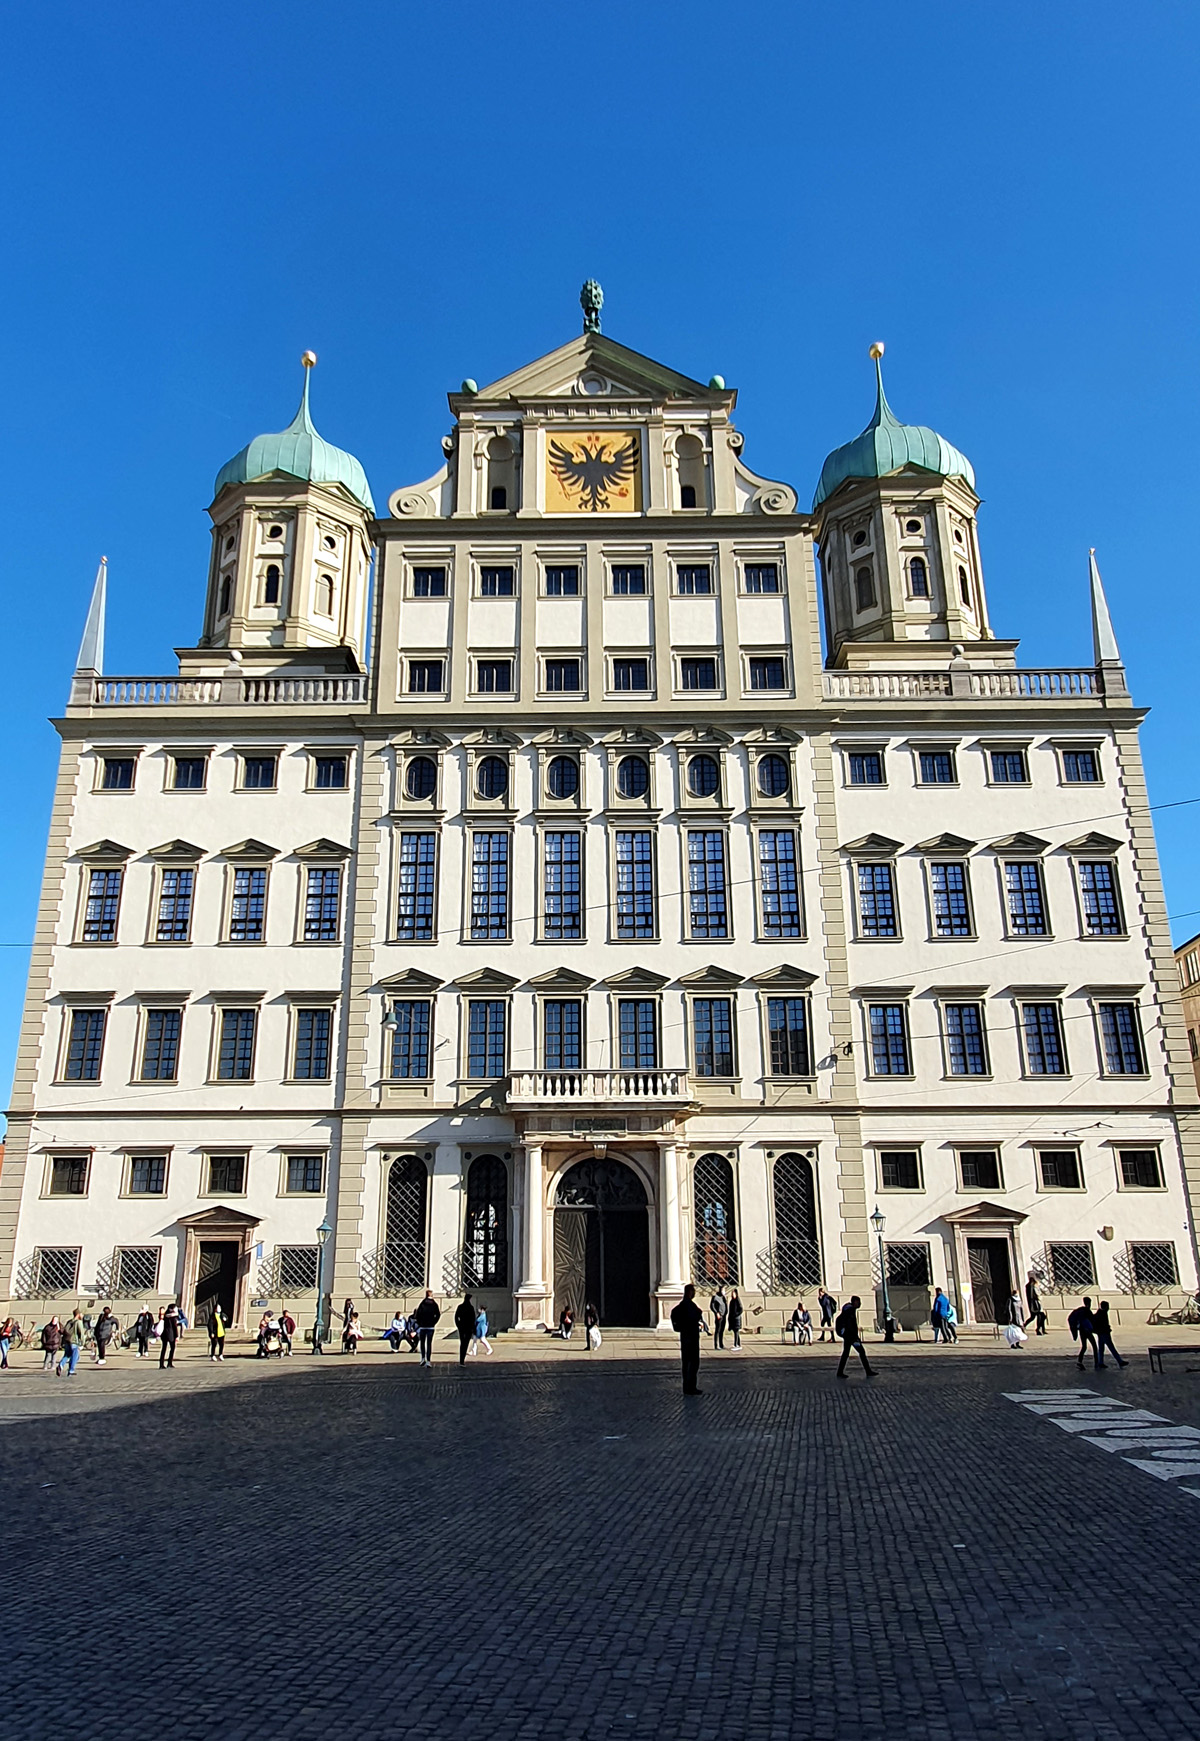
(877, 349)
(309, 359)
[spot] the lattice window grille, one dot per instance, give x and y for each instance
(1147, 1267)
(907, 1263)
(715, 1251)
(1070, 1265)
(394, 1268)
(295, 1268)
(135, 1269)
(54, 1270)
(797, 1251)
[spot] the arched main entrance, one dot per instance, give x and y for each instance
(602, 1242)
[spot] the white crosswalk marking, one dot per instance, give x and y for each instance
(1166, 1449)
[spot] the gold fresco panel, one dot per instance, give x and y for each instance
(594, 473)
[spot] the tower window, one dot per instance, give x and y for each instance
(325, 595)
(329, 541)
(864, 589)
(964, 586)
(271, 585)
(498, 497)
(274, 532)
(687, 495)
(958, 537)
(918, 577)
(859, 538)
(226, 595)
(229, 544)
(913, 526)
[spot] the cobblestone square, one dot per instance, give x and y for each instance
(357, 1549)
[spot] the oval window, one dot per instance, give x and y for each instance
(773, 776)
(420, 777)
(633, 776)
(275, 532)
(491, 777)
(912, 525)
(704, 776)
(562, 777)
(859, 538)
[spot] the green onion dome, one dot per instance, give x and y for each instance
(886, 444)
(299, 452)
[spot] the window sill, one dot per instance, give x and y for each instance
(62, 1196)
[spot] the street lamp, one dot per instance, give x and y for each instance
(879, 1222)
(323, 1232)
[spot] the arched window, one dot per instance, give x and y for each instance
(562, 777)
(485, 1238)
(501, 472)
(491, 777)
(420, 777)
(964, 586)
(325, 595)
(633, 776)
(689, 459)
(773, 776)
(687, 495)
(918, 577)
(714, 1254)
(864, 589)
(797, 1248)
(271, 584)
(404, 1225)
(226, 595)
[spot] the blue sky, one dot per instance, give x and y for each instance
(1006, 196)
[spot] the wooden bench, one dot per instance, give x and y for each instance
(1156, 1354)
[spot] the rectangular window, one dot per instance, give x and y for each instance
(426, 676)
(486, 1034)
(865, 767)
(329, 773)
(899, 1170)
(68, 1176)
(429, 583)
(979, 1170)
(1153, 1264)
(760, 577)
(769, 672)
(888, 1023)
(1060, 1170)
(305, 1175)
(694, 579)
(235, 1051)
(1041, 1024)
(147, 1175)
(314, 1030)
(697, 673)
(410, 1055)
(631, 673)
(708, 914)
(493, 676)
(779, 883)
(562, 1034)
(788, 1034)
(1189, 971)
(629, 580)
(966, 1044)
(160, 1046)
(174, 922)
(415, 864)
(636, 915)
(296, 1268)
(1100, 899)
(188, 773)
(1026, 899)
(877, 915)
(1072, 1265)
(1121, 1039)
(322, 903)
(712, 1036)
(908, 1264)
(949, 903)
(136, 1270)
(55, 1269)
(1081, 768)
(937, 768)
(247, 911)
(1141, 1169)
(562, 886)
(118, 774)
(489, 885)
(85, 1045)
(497, 582)
(1193, 1044)
(1008, 768)
(258, 773)
(102, 906)
(226, 1175)
(562, 582)
(637, 1033)
(562, 677)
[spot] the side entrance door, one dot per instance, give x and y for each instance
(991, 1280)
(216, 1278)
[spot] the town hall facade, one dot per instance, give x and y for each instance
(596, 871)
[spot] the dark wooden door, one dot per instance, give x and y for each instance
(991, 1280)
(625, 1266)
(576, 1281)
(216, 1278)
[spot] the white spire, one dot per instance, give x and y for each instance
(91, 648)
(1104, 642)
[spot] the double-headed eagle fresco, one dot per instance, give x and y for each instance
(595, 470)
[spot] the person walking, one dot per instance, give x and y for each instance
(169, 1337)
(73, 1333)
(216, 1332)
(464, 1323)
(51, 1343)
(939, 1316)
(1016, 1311)
(426, 1315)
(828, 1306)
(1082, 1326)
(481, 1333)
(719, 1307)
(287, 1329)
(143, 1329)
(7, 1331)
(736, 1313)
(103, 1331)
(1033, 1302)
(1103, 1330)
(591, 1327)
(687, 1320)
(846, 1327)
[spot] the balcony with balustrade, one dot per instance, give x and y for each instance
(964, 684)
(604, 1090)
(235, 688)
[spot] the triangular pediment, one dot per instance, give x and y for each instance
(561, 979)
(410, 979)
(485, 979)
(636, 979)
(105, 849)
(878, 844)
(250, 849)
(714, 978)
(322, 849)
(181, 850)
(596, 367)
(1103, 843)
(219, 1216)
(992, 1212)
(785, 975)
(1020, 842)
(945, 843)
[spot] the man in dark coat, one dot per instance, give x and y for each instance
(170, 1336)
(847, 1328)
(719, 1307)
(687, 1320)
(426, 1315)
(464, 1323)
(1082, 1326)
(1033, 1300)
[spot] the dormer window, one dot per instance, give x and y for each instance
(271, 585)
(918, 578)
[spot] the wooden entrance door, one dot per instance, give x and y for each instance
(991, 1280)
(217, 1278)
